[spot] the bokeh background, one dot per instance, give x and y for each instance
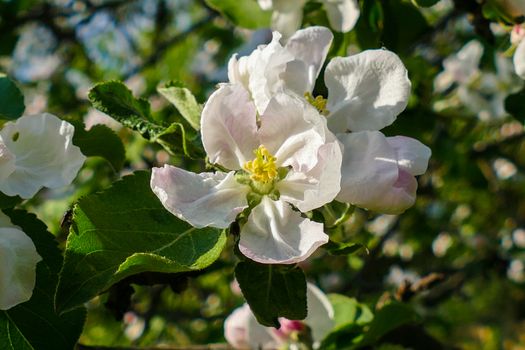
(463, 241)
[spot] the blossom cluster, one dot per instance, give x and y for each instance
(35, 152)
(283, 152)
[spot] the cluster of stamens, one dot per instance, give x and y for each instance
(319, 102)
(262, 168)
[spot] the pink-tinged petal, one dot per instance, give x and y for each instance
(342, 14)
(7, 161)
(292, 130)
(310, 46)
(276, 234)
(412, 155)
(242, 331)
(366, 91)
(206, 199)
(229, 127)
(320, 316)
(18, 260)
(317, 187)
(44, 154)
(519, 60)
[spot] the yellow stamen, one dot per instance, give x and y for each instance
(262, 168)
(319, 102)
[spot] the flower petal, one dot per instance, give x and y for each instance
(342, 14)
(265, 4)
(7, 162)
(317, 187)
(242, 331)
(412, 155)
(228, 126)
(309, 46)
(276, 234)
(366, 91)
(205, 199)
(292, 131)
(18, 259)
(287, 16)
(44, 152)
(371, 176)
(519, 59)
(320, 316)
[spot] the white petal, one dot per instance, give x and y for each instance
(287, 16)
(7, 162)
(206, 199)
(317, 187)
(276, 234)
(44, 152)
(265, 4)
(238, 72)
(266, 66)
(242, 331)
(342, 14)
(310, 46)
(229, 128)
(18, 259)
(412, 155)
(292, 130)
(371, 177)
(366, 91)
(519, 60)
(320, 317)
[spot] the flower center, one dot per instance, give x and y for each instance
(262, 168)
(319, 102)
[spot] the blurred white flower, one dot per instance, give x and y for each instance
(504, 168)
(441, 244)
(288, 14)
(242, 331)
(18, 259)
(37, 152)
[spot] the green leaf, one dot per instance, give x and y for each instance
(100, 141)
(273, 291)
(11, 99)
(337, 248)
(390, 317)
(349, 311)
(117, 101)
(123, 231)
(8, 202)
(35, 324)
(515, 106)
(246, 13)
(184, 101)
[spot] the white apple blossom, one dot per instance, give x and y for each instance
(282, 157)
(37, 151)
(366, 92)
(481, 92)
(242, 331)
(18, 259)
(287, 15)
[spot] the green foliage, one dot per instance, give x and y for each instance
(123, 231)
(246, 13)
(425, 3)
(8, 202)
(184, 101)
(35, 324)
(116, 100)
(349, 311)
(11, 99)
(514, 104)
(273, 291)
(337, 248)
(100, 141)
